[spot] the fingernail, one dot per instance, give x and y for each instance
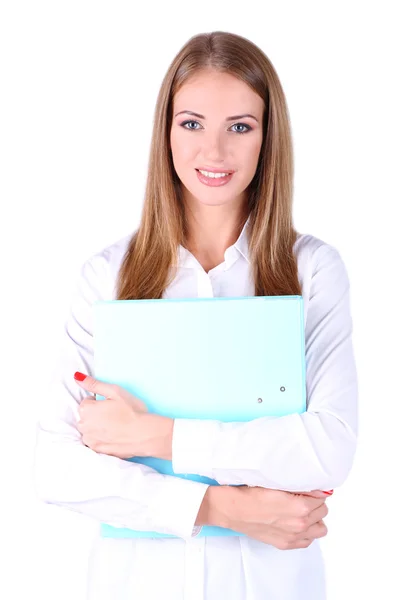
(79, 376)
(329, 493)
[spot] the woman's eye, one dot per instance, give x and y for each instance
(241, 125)
(189, 122)
(248, 128)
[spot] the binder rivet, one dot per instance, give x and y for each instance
(282, 389)
(259, 400)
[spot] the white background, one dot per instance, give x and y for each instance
(79, 82)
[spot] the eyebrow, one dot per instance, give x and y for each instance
(233, 118)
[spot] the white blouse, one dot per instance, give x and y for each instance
(298, 452)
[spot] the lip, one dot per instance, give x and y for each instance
(213, 170)
(212, 181)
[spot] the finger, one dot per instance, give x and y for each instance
(90, 384)
(318, 530)
(302, 544)
(317, 494)
(306, 504)
(89, 400)
(300, 525)
(86, 401)
(305, 538)
(317, 515)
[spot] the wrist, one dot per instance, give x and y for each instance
(217, 507)
(156, 436)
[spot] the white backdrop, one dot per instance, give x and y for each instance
(79, 81)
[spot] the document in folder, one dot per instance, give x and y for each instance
(230, 359)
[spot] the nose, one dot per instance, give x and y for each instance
(213, 147)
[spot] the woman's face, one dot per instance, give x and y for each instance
(212, 140)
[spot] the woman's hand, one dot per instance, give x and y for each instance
(282, 519)
(112, 426)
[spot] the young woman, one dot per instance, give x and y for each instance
(217, 221)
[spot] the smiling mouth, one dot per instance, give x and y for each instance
(214, 179)
(207, 173)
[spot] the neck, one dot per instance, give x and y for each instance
(211, 232)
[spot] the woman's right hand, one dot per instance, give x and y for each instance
(285, 520)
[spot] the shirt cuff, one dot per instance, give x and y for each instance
(193, 442)
(174, 511)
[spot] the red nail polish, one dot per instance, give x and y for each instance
(79, 376)
(329, 493)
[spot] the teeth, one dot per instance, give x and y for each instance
(215, 175)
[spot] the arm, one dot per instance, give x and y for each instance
(218, 506)
(297, 452)
(67, 473)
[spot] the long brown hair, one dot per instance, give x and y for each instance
(147, 267)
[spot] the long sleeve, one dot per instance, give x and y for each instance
(69, 474)
(297, 452)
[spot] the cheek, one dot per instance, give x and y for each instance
(183, 150)
(253, 153)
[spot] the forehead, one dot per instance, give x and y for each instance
(208, 91)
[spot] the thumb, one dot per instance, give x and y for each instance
(90, 384)
(318, 494)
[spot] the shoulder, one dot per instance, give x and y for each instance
(100, 270)
(312, 251)
(321, 269)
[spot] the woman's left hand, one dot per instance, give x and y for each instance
(110, 426)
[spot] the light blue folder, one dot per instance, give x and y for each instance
(230, 359)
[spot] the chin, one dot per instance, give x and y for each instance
(213, 201)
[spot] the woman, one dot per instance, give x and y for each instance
(217, 221)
